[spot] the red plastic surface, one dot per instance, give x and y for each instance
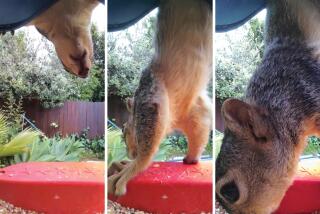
(53, 188)
(304, 195)
(167, 187)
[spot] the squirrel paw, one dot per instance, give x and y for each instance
(117, 167)
(188, 160)
(117, 181)
(116, 187)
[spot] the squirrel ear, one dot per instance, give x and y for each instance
(246, 120)
(129, 104)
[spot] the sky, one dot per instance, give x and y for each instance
(237, 33)
(99, 17)
(133, 30)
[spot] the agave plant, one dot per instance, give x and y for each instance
(53, 149)
(9, 146)
(218, 142)
(116, 147)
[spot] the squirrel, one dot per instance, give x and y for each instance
(172, 89)
(67, 25)
(266, 132)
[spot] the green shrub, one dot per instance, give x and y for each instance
(95, 148)
(70, 148)
(11, 145)
(313, 147)
(129, 52)
(53, 149)
(177, 146)
(237, 58)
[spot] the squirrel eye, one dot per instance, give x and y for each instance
(230, 192)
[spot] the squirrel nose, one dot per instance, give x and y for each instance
(84, 65)
(79, 57)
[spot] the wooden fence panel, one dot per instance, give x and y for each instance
(72, 117)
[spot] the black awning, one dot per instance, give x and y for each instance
(16, 13)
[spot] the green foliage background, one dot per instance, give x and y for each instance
(129, 52)
(237, 59)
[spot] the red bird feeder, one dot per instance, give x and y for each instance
(54, 187)
(170, 187)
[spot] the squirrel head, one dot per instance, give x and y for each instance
(129, 131)
(67, 25)
(252, 171)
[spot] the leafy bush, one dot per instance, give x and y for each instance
(129, 52)
(176, 145)
(13, 109)
(70, 148)
(53, 149)
(95, 148)
(313, 147)
(238, 58)
(12, 145)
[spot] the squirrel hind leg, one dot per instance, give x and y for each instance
(197, 127)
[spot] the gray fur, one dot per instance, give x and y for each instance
(281, 22)
(287, 84)
(146, 111)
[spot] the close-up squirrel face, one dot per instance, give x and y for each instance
(247, 179)
(252, 175)
(128, 131)
(70, 34)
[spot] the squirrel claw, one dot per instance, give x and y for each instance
(116, 171)
(117, 167)
(187, 160)
(114, 186)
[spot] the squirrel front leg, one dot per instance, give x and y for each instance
(151, 122)
(197, 126)
(117, 183)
